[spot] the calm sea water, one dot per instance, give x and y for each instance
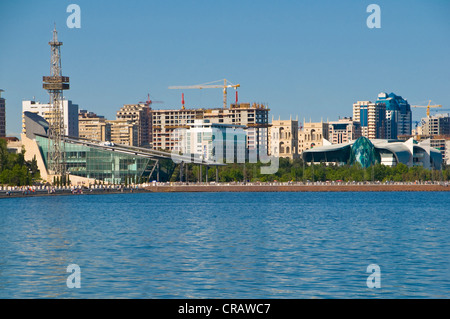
(226, 245)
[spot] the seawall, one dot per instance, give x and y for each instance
(299, 188)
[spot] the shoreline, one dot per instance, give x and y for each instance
(298, 188)
(236, 188)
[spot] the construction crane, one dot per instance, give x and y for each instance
(149, 102)
(428, 107)
(210, 85)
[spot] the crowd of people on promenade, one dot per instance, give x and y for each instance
(74, 190)
(98, 189)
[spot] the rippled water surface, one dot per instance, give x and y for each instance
(226, 245)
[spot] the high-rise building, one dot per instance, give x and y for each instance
(254, 117)
(124, 132)
(372, 117)
(312, 135)
(165, 122)
(70, 111)
(2, 115)
(398, 115)
(343, 131)
(140, 115)
(93, 127)
(436, 125)
(225, 143)
(283, 139)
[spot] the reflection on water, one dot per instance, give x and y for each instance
(226, 245)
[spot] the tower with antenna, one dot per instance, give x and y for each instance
(55, 84)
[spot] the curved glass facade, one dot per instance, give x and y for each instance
(364, 152)
(369, 152)
(99, 164)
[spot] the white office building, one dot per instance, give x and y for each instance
(214, 142)
(70, 111)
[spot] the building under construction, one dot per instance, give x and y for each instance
(255, 117)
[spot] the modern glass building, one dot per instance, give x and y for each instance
(364, 152)
(100, 164)
(368, 152)
(214, 141)
(398, 115)
(86, 161)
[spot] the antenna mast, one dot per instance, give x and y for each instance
(55, 84)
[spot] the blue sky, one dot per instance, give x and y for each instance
(311, 59)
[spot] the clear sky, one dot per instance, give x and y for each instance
(312, 59)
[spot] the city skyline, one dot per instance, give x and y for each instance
(311, 60)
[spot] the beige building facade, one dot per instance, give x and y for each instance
(343, 131)
(312, 135)
(283, 139)
(93, 127)
(124, 132)
(253, 116)
(372, 118)
(141, 116)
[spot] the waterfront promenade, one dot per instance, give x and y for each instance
(10, 192)
(300, 187)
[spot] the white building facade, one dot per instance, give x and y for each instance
(70, 112)
(214, 142)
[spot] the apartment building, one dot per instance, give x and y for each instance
(372, 117)
(93, 127)
(124, 132)
(311, 135)
(141, 116)
(343, 131)
(283, 139)
(253, 116)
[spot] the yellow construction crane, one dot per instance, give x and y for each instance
(428, 107)
(210, 85)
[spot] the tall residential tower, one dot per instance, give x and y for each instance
(372, 117)
(398, 115)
